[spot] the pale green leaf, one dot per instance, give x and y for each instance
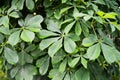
(27, 36)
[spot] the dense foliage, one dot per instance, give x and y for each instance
(59, 40)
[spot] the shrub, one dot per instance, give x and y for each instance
(59, 40)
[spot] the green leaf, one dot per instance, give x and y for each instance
(59, 76)
(47, 42)
(30, 4)
(90, 40)
(53, 25)
(23, 60)
(84, 62)
(98, 19)
(73, 36)
(68, 27)
(77, 14)
(85, 29)
(11, 56)
(63, 10)
(14, 71)
(54, 48)
(53, 73)
(58, 56)
(87, 17)
(110, 53)
(93, 52)
(74, 62)
(62, 66)
(27, 72)
(14, 38)
(1, 38)
(64, 1)
(33, 23)
(4, 21)
(57, 14)
(100, 1)
(43, 65)
(27, 36)
(82, 74)
(46, 33)
(69, 45)
(5, 30)
(78, 29)
(67, 77)
(14, 14)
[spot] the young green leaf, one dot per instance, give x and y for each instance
(69, 45)
(27, 36)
